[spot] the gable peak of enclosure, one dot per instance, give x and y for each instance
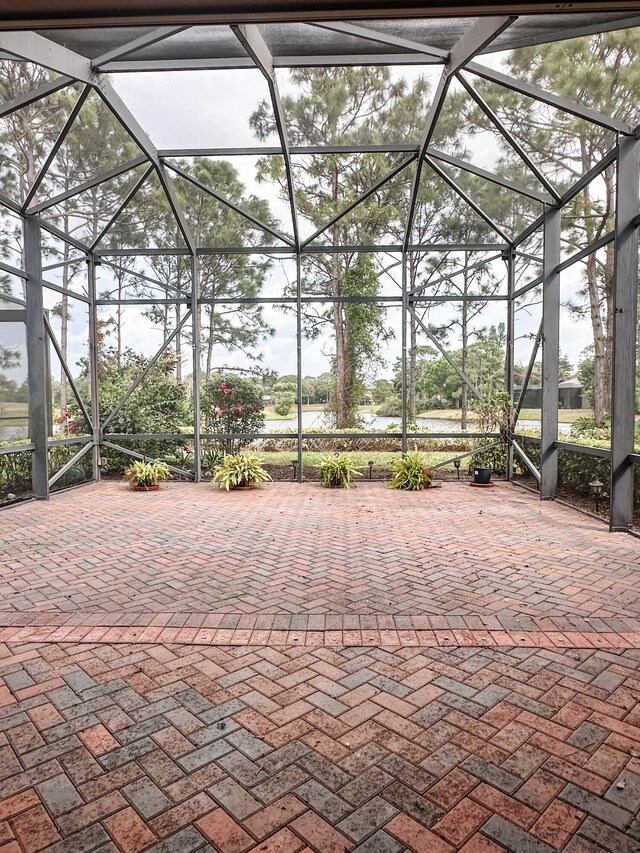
(437, 148)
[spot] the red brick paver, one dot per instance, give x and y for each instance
(434, 782)
(301, 564)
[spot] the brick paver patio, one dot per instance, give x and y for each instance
(307, 558)
(304, 671)
(176, 748)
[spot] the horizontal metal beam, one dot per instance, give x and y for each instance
(235, 63)
(149, 436)
(6, 450)
(12, 315)
(392, 248)
(271, 150)
(74, 439)
(143, 301)
(602, 452)
(471, 297)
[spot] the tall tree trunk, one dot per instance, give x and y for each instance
(120, 277)
(464, 325)
(599, 324)
(412, 389)
(207, 372)
(340, 401)
(64, 317)
(342, 390)
(178, 346)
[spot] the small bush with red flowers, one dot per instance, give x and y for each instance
(233, 404)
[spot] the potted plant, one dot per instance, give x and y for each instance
(410, 474)
(337, 471)
(146, 476)
(240, 471)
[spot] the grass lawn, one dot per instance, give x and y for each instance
(445, 414)
(271, 415)
(565, 416)
(381, 459)
(14, 410)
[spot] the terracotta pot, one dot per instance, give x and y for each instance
(152, 488)
(243, 488)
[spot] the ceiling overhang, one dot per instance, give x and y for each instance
(50, 14)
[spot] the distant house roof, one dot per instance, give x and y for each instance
(570, 383)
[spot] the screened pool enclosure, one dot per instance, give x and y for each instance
(249, 198)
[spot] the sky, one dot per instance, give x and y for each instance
(207, 109)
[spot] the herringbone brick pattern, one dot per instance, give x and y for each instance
(177, 749)
(303, 551)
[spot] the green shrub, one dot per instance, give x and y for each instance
(390, 408)
(80, 472)
(238, 470)
(576, 470)
(210, 459)
(15, 471)
(337, 471)
(181, 457)
(160, 404)
(586, 428)
(359, 442)
(411, 473)
(495, 458)
(284, 403)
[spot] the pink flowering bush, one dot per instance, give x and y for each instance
(233, 404)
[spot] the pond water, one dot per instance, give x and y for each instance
(377, 423)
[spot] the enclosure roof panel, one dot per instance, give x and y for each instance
(295, 41)
(27, 14)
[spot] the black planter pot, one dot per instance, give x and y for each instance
(481, 475)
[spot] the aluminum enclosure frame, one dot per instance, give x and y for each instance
(458, 62)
